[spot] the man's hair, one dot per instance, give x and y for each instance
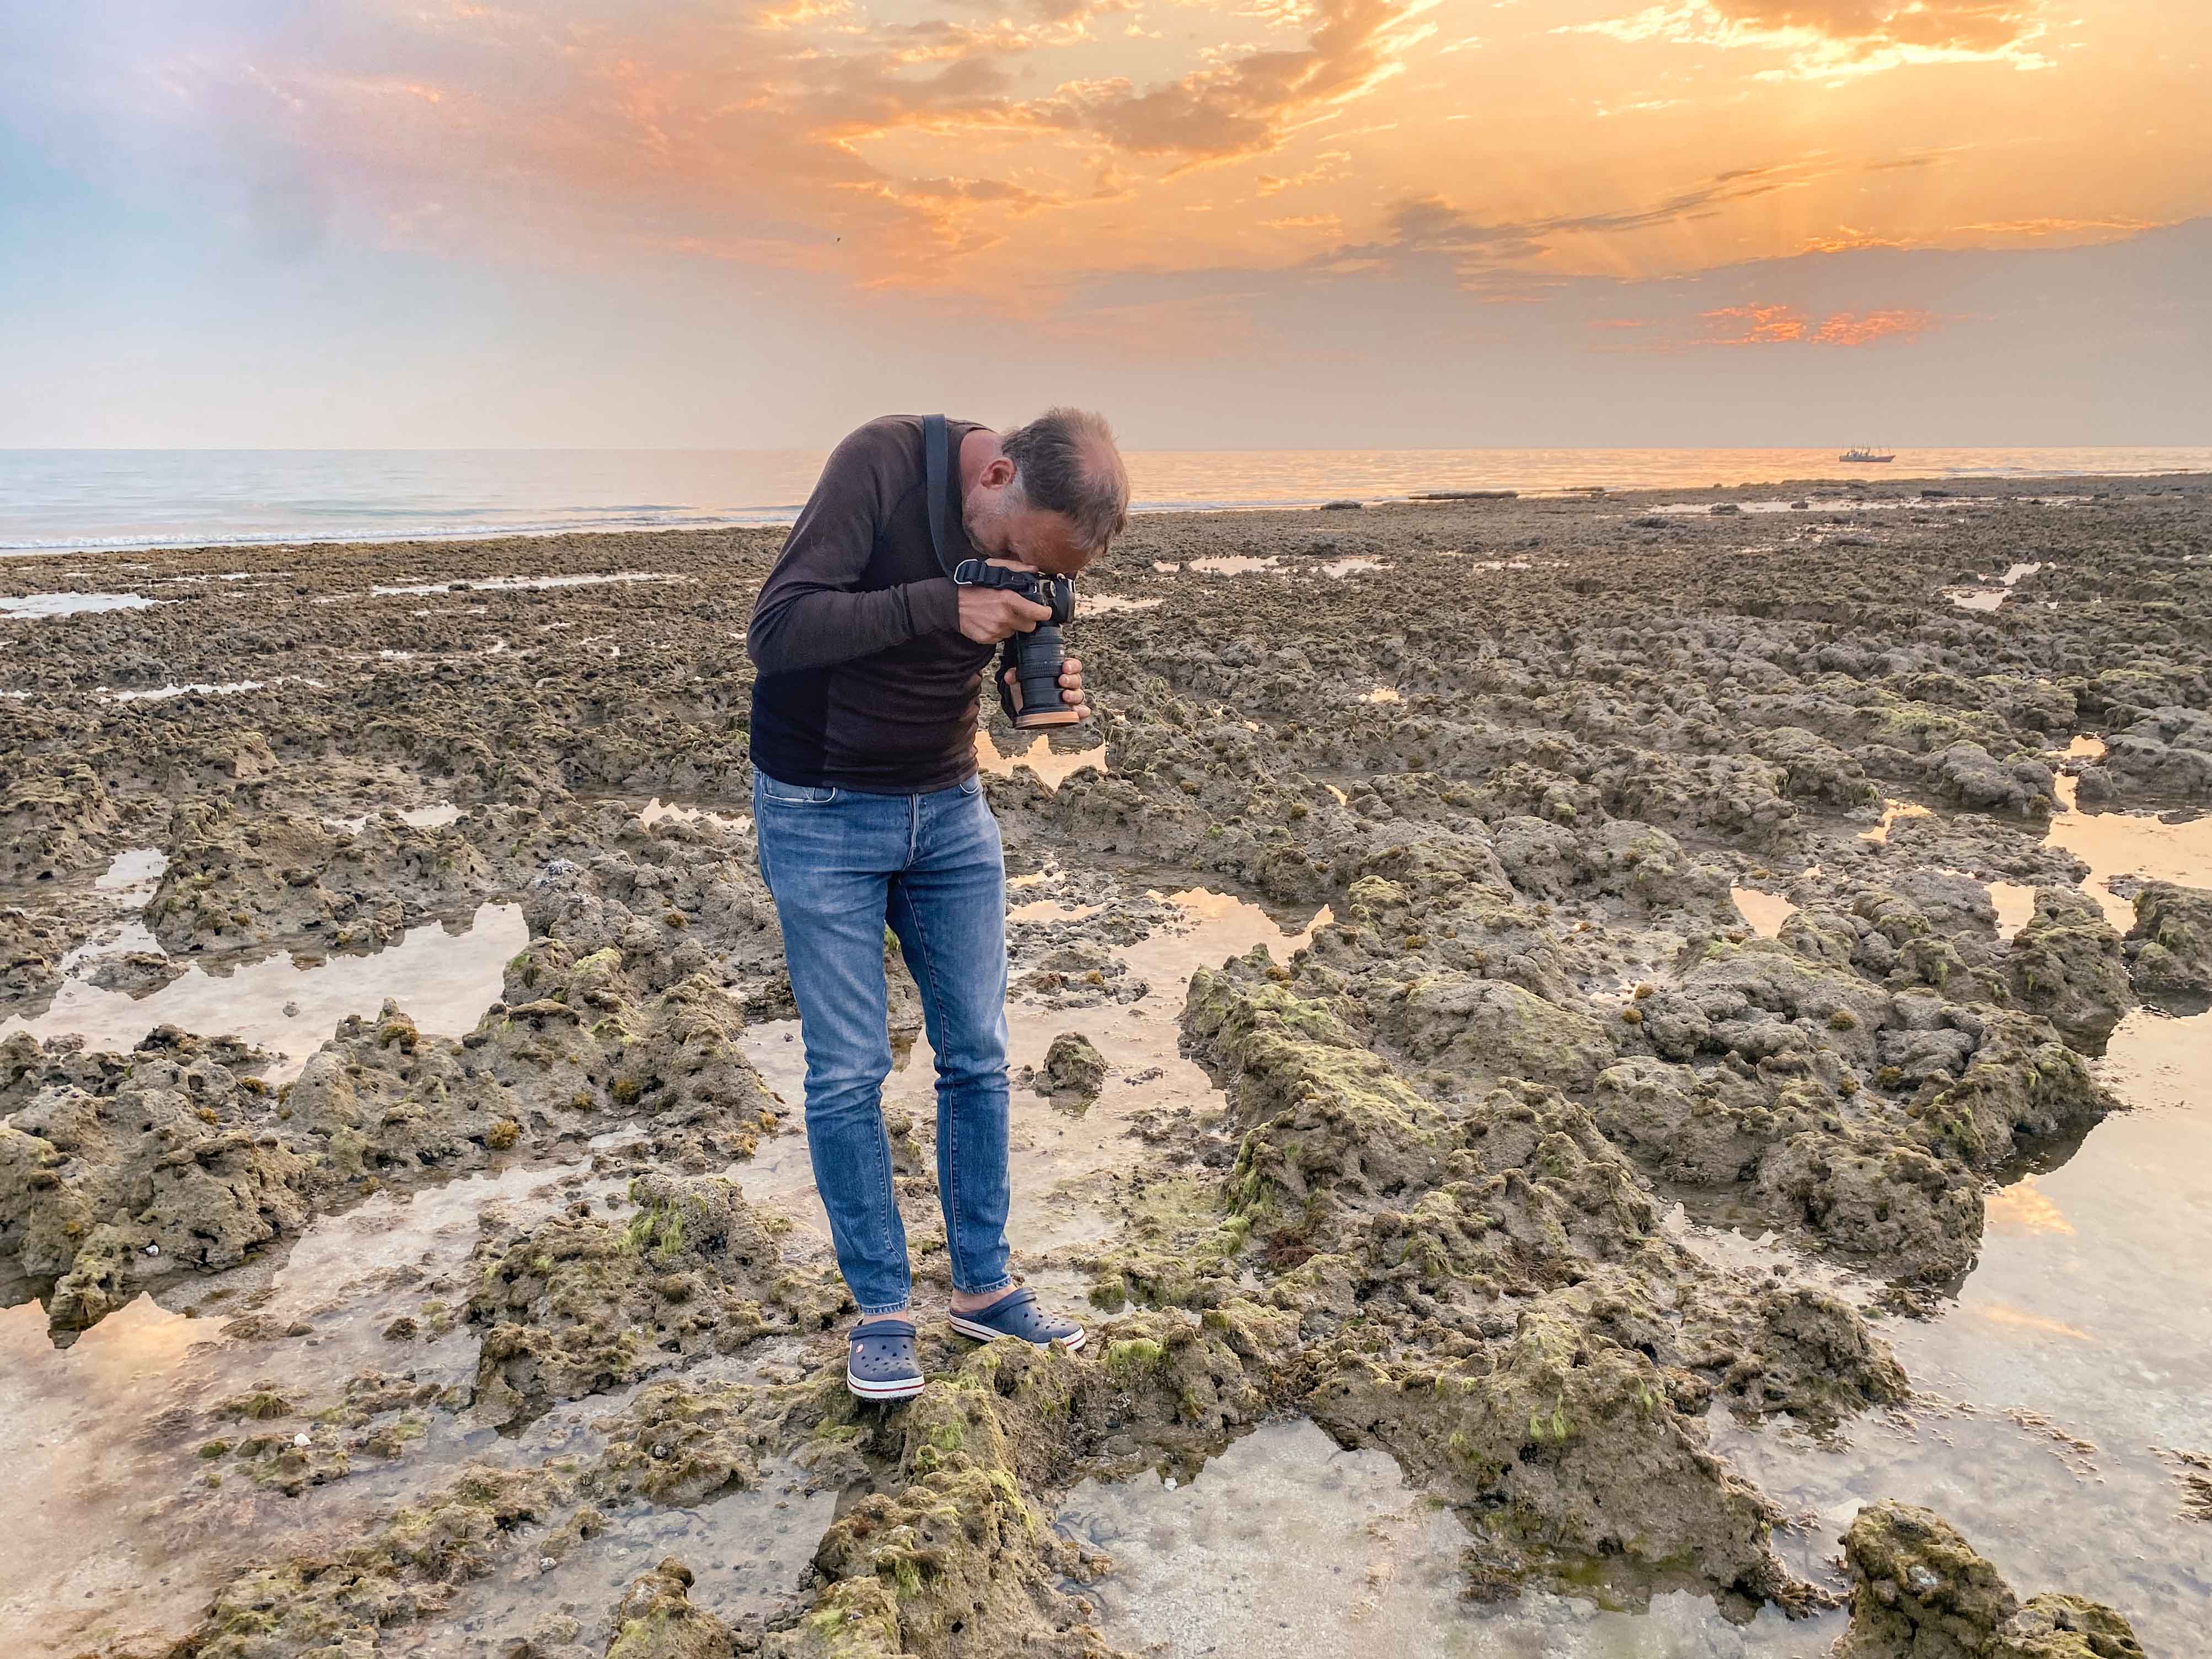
(1064, 462)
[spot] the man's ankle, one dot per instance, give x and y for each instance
(904, 1310)
(970, 1301)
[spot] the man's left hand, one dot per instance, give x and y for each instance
(1071, 686)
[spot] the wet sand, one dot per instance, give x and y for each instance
(1561, 1046)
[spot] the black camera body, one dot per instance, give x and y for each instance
(1033, 698)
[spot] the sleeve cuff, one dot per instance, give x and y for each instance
(933, 605)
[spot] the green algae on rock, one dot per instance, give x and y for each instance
(1074, 1071)
(577, 1305)
(1500, 1326)
(655, 1619)
(2169, 949)
(1920, 1591)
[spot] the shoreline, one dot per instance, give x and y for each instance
(1999, 487)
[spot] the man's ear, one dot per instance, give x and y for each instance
(998, 474)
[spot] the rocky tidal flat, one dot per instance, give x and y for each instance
(1616, 1075)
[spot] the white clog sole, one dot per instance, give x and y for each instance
(903, 1389)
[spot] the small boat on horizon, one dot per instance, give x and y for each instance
(1863, 454)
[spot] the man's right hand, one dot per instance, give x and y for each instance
(988, 615)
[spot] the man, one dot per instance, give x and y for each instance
(868, 810)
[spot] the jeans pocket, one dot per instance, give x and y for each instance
(793, 794)
(974, 786)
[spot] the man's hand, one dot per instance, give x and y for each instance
(988, 615)
(1071, 686)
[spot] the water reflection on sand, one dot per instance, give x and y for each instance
(445, 975)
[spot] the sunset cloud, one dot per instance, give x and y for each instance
(1004, 153)
(1734, 326)
(1834, 39)
(1845, 329)
(1246, 106)
(1432, 226)
(1784, 324)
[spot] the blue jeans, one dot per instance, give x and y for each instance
(840, 866)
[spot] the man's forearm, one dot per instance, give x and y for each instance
(817, 628)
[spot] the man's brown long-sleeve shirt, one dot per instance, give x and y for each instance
(866, 682)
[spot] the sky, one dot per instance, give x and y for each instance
(1225, 223)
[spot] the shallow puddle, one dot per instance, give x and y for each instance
(1340, 568)
(161, 693)
(1383, 694)
(422, 818)
(443, 975)
(1802, 504)
(2130, 844)
(1051, 910)
(1989, 598)
(1764, 913)
(2072, 1362)
(1236, 564)
(132, 876)
(747, 1552)
(503, 584)
(1892, 811)
(32, 607)
(1052, 768)
(1286, 1544)
(101, 1439)
(2015, 907)
(656, 810)
(1101, 604)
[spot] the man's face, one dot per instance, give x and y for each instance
(1002, 525)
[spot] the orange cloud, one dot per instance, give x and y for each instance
(1833, 39)
(1735, 325)
(1247, 106)
(1784, 324)
(819, 134)
(873, 142)
(1845, 329)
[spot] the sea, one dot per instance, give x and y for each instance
(55, 501)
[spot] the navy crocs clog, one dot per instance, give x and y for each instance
(882, 1361)
(1017, 1314)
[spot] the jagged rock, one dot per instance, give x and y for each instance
(180, 1146)
(577, 1305)
(1508, 1222)
(2169, 949)
(1919, 1591)
(2165, 755)
(1074, 1071)
(167, 1146)
(2067, 965)
(31, 952)
(655, 1619)
(1966, 773)
(52, 817)
(234, 880)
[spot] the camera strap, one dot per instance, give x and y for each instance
(936, 462)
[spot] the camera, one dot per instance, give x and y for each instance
(1034, 698)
